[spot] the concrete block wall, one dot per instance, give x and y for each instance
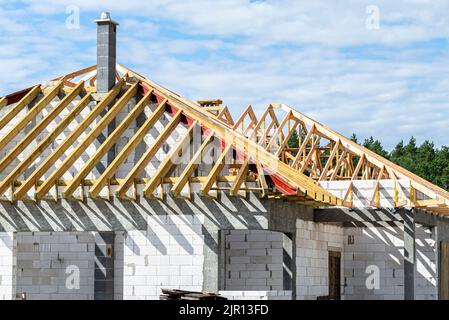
(253, 260)
(169, 254)
(313, 243)
(384, 247)
(8, 261)
(48, 264)
(426, 277)
(381, 247)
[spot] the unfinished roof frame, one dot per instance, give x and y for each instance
(262, 143)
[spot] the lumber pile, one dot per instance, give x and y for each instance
(174, 294)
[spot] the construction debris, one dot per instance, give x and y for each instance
(174, 294)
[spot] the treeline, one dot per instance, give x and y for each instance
(425, 160)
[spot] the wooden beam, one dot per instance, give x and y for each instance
(270, 162)
(330, 160)
(22, 166)
(90, 137)
(191, 167)
(279, 130)
(213, 102)
(167, 164)
(338, 164)
(262, 181)
(303, 146)
(215, 172)
(430, 189)
(241, 176)
(59, 151)
(3, 102)
(30, 115)
(287, 138)
(430, 202)
(375, 198)
(14, 111)
(126, 151)
(148, 155)
(18, 149)
(358, 167)
(310, 155)
(106, 145)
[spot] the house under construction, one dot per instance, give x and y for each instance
(113, 187)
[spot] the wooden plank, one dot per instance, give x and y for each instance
(241, 176)
(3, 102)
(287, 138)
(279, 130)
(262, 181)
(429, 188)
(215, 172)
(22, 166)
(59, 151)
(30, 115)
(148, 155)
(309, 156)
(90, 137)
(126, 151)
(329, 161)
(26, 100)
(444, 271)
(338, 164)
(193, 164)
(18, 149)
(358, 167)
(106, 145)
(293, 177)
(303, 145)
(167, 164)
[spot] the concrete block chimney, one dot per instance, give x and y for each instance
(106, 52)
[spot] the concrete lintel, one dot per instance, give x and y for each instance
(361, 215)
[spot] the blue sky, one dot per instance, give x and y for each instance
(319, 57)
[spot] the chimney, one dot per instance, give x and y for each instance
(106, 52)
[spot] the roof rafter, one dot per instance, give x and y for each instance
(26, 100)
(167, 164)
(91, 136)
(59, 151)
(22, 166)
(41, 104)
(107, 144)
(14, 152)
(148, 155)
(126, 151)
(193, 164)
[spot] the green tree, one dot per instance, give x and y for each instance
(293, 142)
(376, 146)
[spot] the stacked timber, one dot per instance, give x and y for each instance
(174, 294)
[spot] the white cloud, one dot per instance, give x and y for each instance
(316, 56)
